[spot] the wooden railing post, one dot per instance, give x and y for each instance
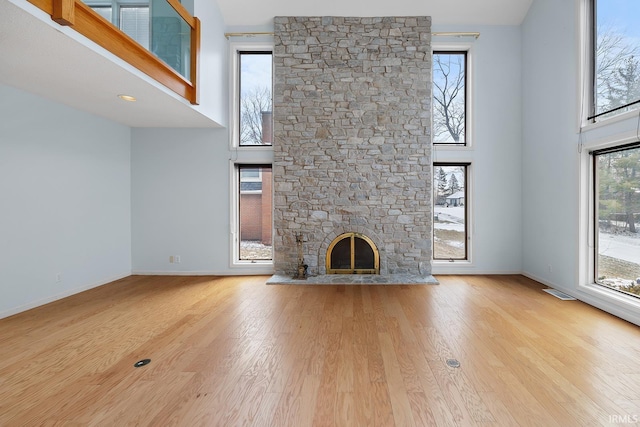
(64, 12)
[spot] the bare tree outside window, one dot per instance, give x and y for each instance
(255, 117)
(449, 97)
(255, 99)
(617, 56)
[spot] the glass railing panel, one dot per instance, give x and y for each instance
(155, 25)
(170, 37)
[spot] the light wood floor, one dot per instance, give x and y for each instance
(234, 351)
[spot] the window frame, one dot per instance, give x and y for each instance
(619, 303)
(236, 49)
(466, 50)
(467, 212)
(593, 154)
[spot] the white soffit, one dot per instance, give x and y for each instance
(55, 62)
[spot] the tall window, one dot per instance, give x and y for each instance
(255, 224)
(617, 213)
(449, 97)
(616, 65)
(450, 211)
(255, 98)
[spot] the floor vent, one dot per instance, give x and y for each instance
(560, 295)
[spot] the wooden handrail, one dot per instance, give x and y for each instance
(184, 14)
(77, 15)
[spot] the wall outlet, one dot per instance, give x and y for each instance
(177, 259)
(58, 277)
(550, 268)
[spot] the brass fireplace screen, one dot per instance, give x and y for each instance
(353, 253)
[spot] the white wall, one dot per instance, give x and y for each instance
(180, 200)
(212, 74)
(550, 157)
(64, 201)
(181, 196)
(495, 153)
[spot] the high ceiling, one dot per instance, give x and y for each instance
(46, 59)
(240, 13)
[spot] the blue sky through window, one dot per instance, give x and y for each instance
(623, 16)
(255, 72)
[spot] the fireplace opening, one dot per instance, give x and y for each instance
(353, 253)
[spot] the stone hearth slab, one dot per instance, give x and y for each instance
(355, 279)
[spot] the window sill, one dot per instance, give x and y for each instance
(251, 263)
(461, 147)
(610, 121)
(451, 267)
(257, 267)
(611, 296)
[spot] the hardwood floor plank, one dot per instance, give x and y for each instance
(232, 351)
(398, 394)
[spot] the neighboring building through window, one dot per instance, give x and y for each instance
(449, 97)
(255, 98)
(255, 224)
(617, 218)
(450, 199)
(616, 64)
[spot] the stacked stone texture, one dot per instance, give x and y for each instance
(352, 146)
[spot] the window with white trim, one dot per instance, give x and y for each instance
(450, 97)
(250, 143)
(450, 212)
(254, 213)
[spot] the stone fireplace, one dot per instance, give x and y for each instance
(352, 143)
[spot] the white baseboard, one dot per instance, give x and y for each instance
(600, 302)
(453, 271)
(47, 300)
(549, 284)
(253, 272)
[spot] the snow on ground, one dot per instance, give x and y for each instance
(451, 218)
(454, 212)
(619, 246)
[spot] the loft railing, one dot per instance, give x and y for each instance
(172, 49)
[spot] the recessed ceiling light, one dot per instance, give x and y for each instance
(127, 98)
